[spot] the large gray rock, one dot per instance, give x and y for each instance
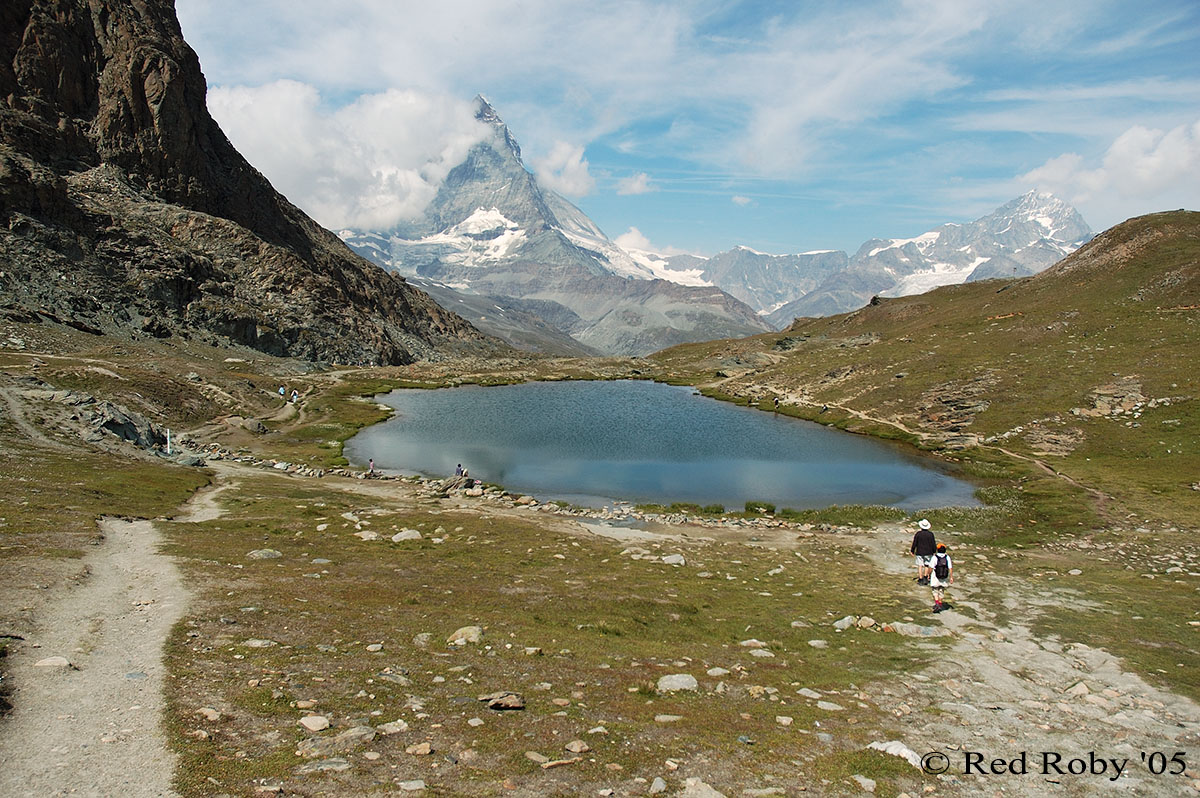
(127, 425)
(325, 746)
(677, 681)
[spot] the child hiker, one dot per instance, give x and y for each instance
(941, 576)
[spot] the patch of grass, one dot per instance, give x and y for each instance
(834, 772)
(599, 657)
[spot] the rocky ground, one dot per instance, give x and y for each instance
(987, 692)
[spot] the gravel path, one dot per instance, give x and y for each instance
(1003, 690)
(94, 727)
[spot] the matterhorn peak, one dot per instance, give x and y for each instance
(485, 113)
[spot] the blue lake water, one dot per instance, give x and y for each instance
(592, 442)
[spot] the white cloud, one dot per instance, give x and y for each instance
(634, 239)
(738, 199)
(1145, 170)
(565, 170)
(635, 184)
(370, 164)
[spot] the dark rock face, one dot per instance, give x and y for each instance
(123, 207)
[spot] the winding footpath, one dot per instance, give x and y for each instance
(89, 698)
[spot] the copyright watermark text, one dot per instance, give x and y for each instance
(1054, 763)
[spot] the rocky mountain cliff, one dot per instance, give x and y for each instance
(124, 208)
(493, 231)
(767, 282)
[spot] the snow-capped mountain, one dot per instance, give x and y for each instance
(493, 231)
(1023, 237)
(768, 282)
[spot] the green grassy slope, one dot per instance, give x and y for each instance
(1089, 367)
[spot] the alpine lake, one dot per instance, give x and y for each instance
(592, 443)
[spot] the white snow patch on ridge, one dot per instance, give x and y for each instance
(661, 269)
(923, 242)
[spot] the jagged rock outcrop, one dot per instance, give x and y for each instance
(124, 208)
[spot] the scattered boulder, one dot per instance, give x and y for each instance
(397, 726)
(254, 425)
(465, 635)
(324, 746)
(333, 765)
(916, 630)
(265, 554)
(406, 534)
(504, 700)
(897, 748)
(695, 788)
(54, 662)
(127, 425)
(674, 559)
(864, 782)
(677, 681)
(315, 723)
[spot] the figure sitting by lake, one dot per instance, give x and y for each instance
(458, 470)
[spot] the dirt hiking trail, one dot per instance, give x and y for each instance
(93, 727)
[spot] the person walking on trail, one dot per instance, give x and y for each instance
(941, 577)
(923, 549)
(371, 466)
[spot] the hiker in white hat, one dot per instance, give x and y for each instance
(923, 549)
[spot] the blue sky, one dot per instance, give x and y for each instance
(696, 126)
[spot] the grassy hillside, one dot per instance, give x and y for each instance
(1087, 369)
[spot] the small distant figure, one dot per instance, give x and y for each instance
(941, 577)
(371, 466)
(464, 473)
(295, 396)
(923, 548)
(282, 392)
(458, 470)
(776, 404)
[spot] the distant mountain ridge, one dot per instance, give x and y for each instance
(493, 231)
(1020, 238)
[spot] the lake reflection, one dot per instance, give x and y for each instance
(589, 442)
